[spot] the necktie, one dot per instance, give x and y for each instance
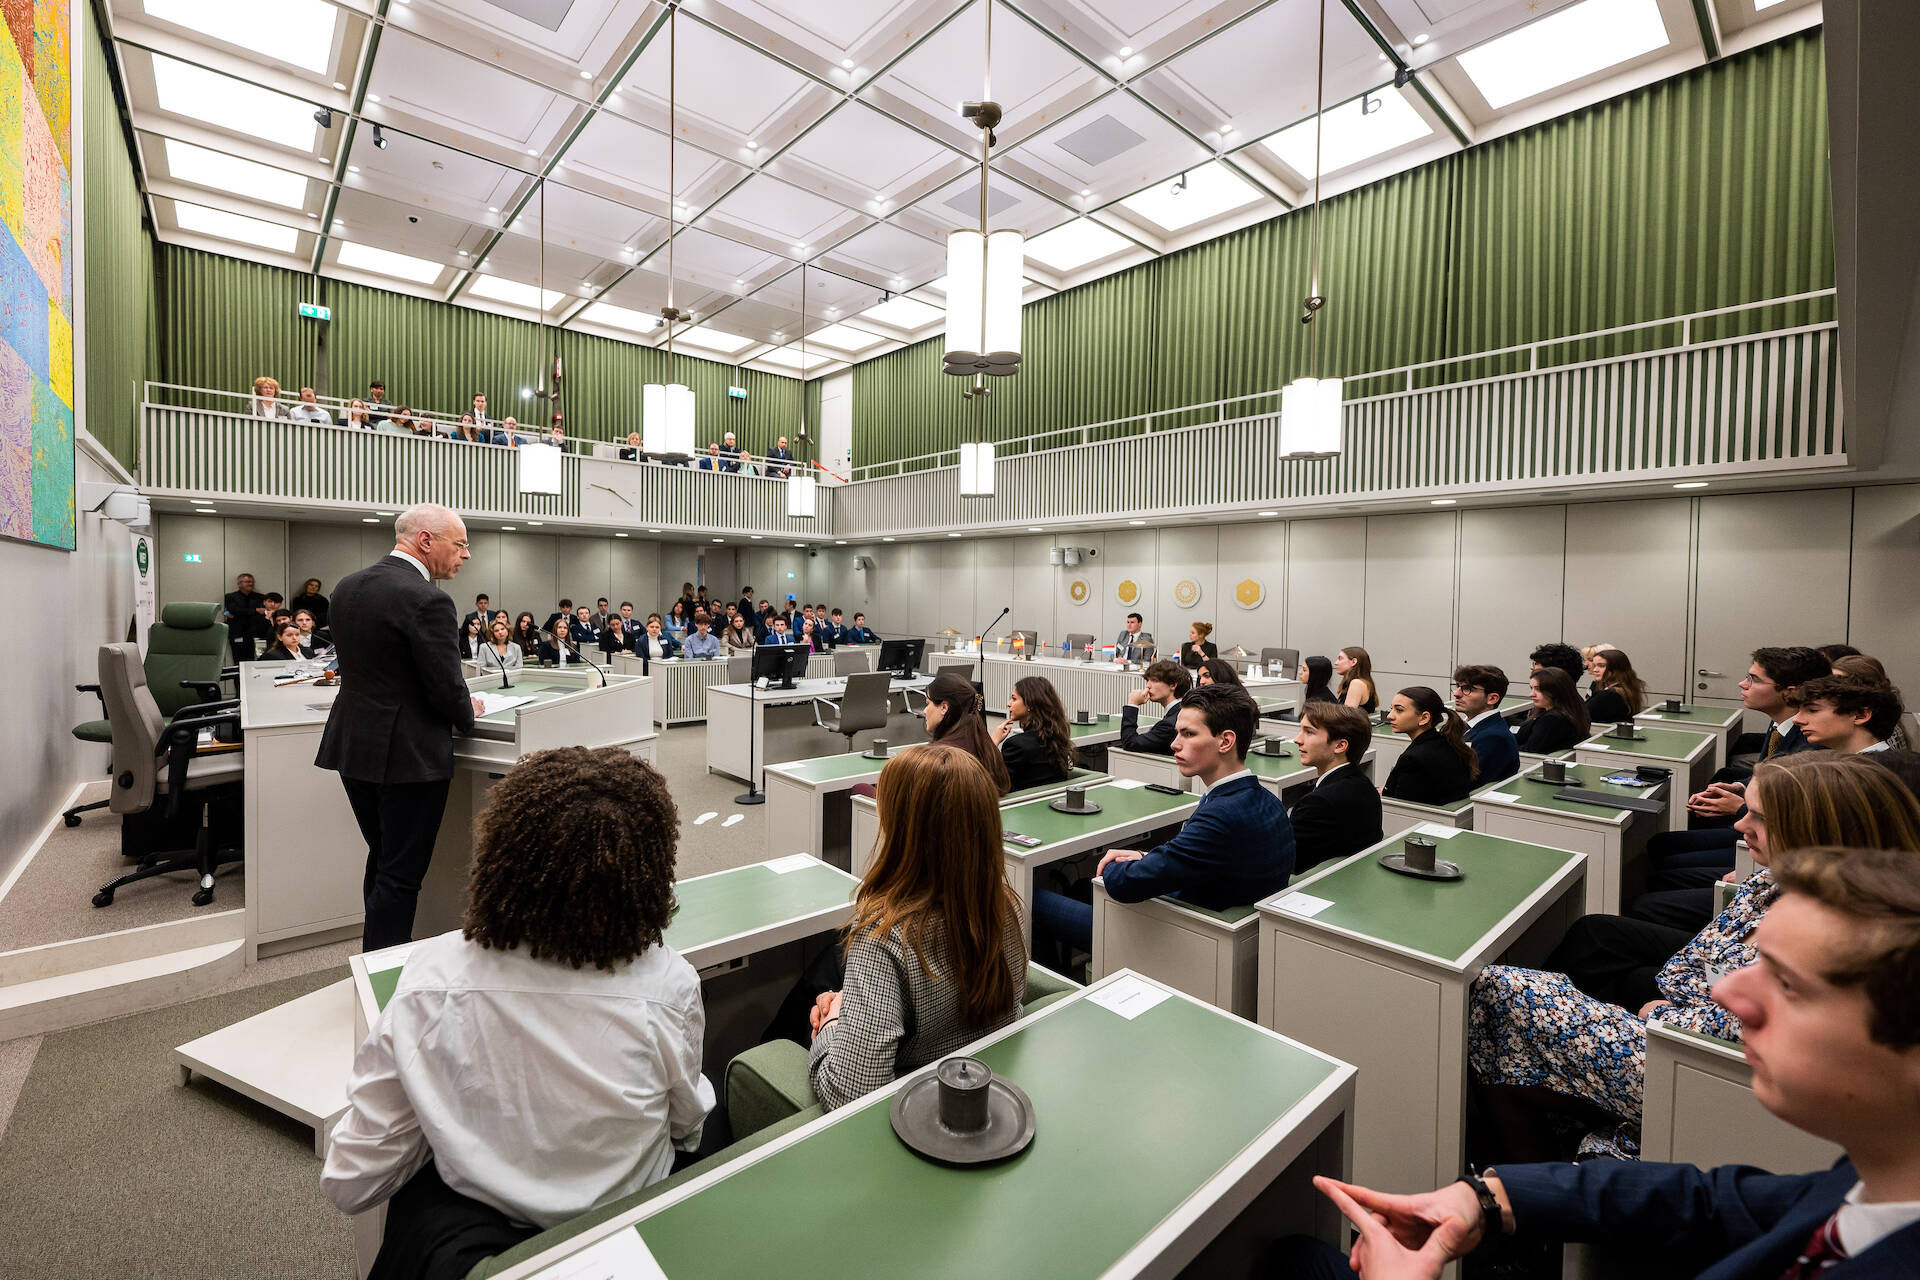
(1821, 1253)
(1773, 743)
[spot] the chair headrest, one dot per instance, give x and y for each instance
(189, 616)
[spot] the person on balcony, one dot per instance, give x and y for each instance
(266, 399)
(713, 461)
(745, 466)
(729, 453)
(358, 415)
(780, 461)
(309, 410)
(376, 404)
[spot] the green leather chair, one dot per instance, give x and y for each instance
(185, 663)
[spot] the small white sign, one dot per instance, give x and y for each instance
(1651, 715)
(621, 1256)
(1595, 746)
(1498, 797)
(1437, 831)
(791, 863)
(1127, 784)
(1128, 997)
(1302, 904)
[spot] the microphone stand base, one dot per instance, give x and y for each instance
(751, 797)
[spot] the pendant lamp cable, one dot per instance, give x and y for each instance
(670, 313)
(1315, 300)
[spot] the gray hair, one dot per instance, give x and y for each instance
(422, 517)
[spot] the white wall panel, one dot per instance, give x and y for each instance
(1258, 553)
(993, 560)
(1184, 553)
(1326, 584)
(1885, 617)
(1409, 622)
(258, 547)
(180, 579)
(1750, 541)
(1087, 615)
(1512, 569)
(529, 575)
(1130, 555)
(1034, 587)
(1627, 565)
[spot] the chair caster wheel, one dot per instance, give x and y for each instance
(104, 898)
(201, 897)
(71, 819)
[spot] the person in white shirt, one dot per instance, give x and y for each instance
(309, 410)
(1849, 716)
(546, 1058)
(266, 399)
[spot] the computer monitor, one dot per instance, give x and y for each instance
(780, 662)
(902, 656)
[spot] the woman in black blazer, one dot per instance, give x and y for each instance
(1557, 720)
(1198, 648)
(1618, 693)
(1438, 767)
(1042, 751)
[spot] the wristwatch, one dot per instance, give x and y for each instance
(1489, 1206)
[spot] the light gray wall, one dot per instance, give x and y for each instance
(66, 604)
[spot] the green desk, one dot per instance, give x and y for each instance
(1125, 813)
(1213, 956)
(1723, 722)
(1524, 808)
(1688, 755)
(1700, 1109)
(1373, 967)
(810, 796)
(1241, 1120)
(865, 822)
(1397, 816)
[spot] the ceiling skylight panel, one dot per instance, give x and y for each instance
(222, 225)
(711, 339)
(620, 318)
(199, 94)
(512, 292)
(1200, 194)
(246, 179)
(789, 358)
(1371, 125)
(361, 257)
(1564, 46)
(299, 32)
(1074, 245)
(841, 338)
(904, 313)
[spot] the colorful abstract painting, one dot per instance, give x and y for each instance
(36, 275)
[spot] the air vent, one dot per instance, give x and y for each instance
(967, 203)
(1101, 141)
(542, 13)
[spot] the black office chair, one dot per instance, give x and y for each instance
(185, 666)
(156, 761)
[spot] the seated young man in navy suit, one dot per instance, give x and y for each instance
(1234, 850)
(1477, 691)
(1830, 1020)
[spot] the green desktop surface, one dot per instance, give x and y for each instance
(1666, 744)
(1118, 806)
(1536, 794)
(523, 689)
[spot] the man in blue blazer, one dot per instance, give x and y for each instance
(1830, 1021)
(1477, 691)
(860, 632)
(1235, 849)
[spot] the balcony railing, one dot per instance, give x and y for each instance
(1704, 407)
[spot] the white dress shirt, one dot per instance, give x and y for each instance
(1490, 711)
(535, 1087)
(1863, 1225)
(410, 560)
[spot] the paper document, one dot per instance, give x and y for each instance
(1437, 831)
(791, 863)
(621, 1256)
(1129, 997)
(493, 703)
(1498, 797)
(1127, 784)
(1302, 904)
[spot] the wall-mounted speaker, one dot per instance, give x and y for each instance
(1073, 557)
(1056, 555)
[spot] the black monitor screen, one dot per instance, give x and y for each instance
(781, 662)
(900, 655)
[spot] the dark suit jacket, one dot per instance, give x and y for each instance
(1428, 772)
(1492, 740)
(860, 635)
(1340, 816)
(463, 622)
(1157, 738)
(1546, 733)
(1027, 762)
(1729, 1223)
(1607, 706)
(243, 622)
(1189, 658)
(401, 692)
(1235, 850)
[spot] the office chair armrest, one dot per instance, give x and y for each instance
(908, 695)
(181, 739)
(822, 702)
(209, 690)
(93, 689)
(202, 714)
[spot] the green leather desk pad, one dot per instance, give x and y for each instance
(1539, 795)
(1665, 744)
(1135, 808)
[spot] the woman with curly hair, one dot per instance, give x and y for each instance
(1042, 751)
(546, 1058)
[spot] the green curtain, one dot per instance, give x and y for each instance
(119, 258)
(1702, 191)
(224, 322)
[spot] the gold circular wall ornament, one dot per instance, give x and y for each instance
(1129, 592)
(1078, 591)
(1186, 593)
(1249, 593)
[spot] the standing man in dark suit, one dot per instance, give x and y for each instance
(245, 617)
(1477, 691)
(1830, 1020)
(1341, 814)
(389, 735)
(1167, 683)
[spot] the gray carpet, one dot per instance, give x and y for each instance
(110, 1168)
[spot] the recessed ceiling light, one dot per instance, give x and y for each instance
(313, 215)
(507, 528)
(1269, 513)
(752, 145)
(1074, 244)
(1035, 528)
(295, 31)
(493, 209)
(360, 257)
(886, 539)
(1691, 484)
(388, 514)
(846, 64)
(1225, 129)
(955, 535)
(586, 75)
(341, 87)
(1421, 38)
(839, 542)
(800, 248)
(368, 520)
(1371, 125)
(1136, 522)
(1126, 51)
(712, 339)
(232, 226)
(353, 168)
(225, 173)
(533, 151)
(373, 97)
(1568, 44)
(653, 531)
(185, 90)
(719, 539)
(619, 535)
(1085, 192)
(1383, 57)
(755, 536)
(1444, 502)
(206, 511)
(461, 252)
(496, 289)
(535, 524)
(201, 502)
(842, 338)
(1198, 195)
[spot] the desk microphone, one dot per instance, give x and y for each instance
(567, 640)
(980, 640)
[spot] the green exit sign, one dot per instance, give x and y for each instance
(314, 311)
(191, 557)
(736, 393)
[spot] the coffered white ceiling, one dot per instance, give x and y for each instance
(822, 136)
